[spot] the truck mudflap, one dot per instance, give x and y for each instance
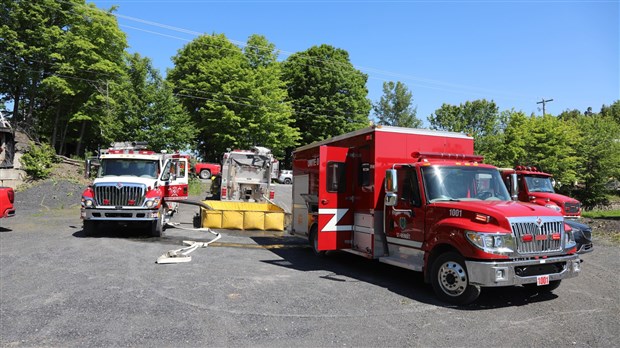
(541, 271)
(120, 214)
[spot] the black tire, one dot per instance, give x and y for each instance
(543, 289)
(205, 174)
(313, 239)
(90, 227)
(287, 181)
(450, 280)
(157, 227)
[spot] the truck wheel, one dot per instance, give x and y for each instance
(313, 239)
(205, 174)
(544, 289)
(287, 181)
(90, 227)
(450, 281)
(157, 227)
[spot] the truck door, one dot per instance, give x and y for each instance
(175, 179)
(335, 222)
(405, 225)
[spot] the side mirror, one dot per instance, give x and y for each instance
(514, 188)
(87, 169)
(391, 187)
(391, 181)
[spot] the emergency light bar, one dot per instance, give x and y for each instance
(457, 156)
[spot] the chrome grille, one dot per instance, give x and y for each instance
(572, 208)
(119, 194)
(541, 229)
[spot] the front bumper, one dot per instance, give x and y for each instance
(98, 214)
(500, 273)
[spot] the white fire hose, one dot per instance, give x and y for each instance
(182, 255)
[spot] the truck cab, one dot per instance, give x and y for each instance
(535, 186)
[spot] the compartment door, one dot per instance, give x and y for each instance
(335, 223)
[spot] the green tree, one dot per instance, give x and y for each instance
(237, 100)
(59, 57)
(599, 148)
(612, 111)
(394, 108)
(479, 118)
(151, 113)
(270, 122)
(327, 93)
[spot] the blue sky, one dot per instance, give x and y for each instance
(513, 52)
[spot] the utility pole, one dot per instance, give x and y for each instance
(543, 102)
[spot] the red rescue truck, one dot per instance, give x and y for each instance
(422, 200)
(136, 186)
(536, 187)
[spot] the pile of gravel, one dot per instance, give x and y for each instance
(48, 195)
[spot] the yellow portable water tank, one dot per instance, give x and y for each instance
(243, 216)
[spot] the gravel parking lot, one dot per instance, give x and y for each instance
(60, 288)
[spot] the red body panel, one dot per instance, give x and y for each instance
(379, 148)
(214, 168)
(7, 197)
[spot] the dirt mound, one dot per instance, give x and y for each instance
(607, 229)
(48, 194)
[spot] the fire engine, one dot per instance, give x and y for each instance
(536, 187)
(422, 200)
(134, 185)
(246, 175)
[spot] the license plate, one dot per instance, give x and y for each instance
(542, 280)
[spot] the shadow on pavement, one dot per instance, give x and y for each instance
(344, 267)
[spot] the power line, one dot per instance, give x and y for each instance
(459, 88)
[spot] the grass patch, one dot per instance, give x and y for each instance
(602, 214)
(197, 187)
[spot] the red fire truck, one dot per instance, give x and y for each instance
(536, 187)
(135, 185)
(422, 200)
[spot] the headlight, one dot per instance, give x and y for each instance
(88, 202)
(569, 239)
(151, 203)
(554, 207)
(492, 243)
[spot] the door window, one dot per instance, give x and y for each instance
(336, 179)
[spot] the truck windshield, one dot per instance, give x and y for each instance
(463, 183)
(129, 167)
(539, 184)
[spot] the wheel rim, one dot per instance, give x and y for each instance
(452, 278)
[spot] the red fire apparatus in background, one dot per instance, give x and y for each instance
(134, 185)
(536, 187)
(422, 200)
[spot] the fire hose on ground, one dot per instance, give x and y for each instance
(182, 255)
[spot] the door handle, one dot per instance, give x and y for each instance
(324, 201)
